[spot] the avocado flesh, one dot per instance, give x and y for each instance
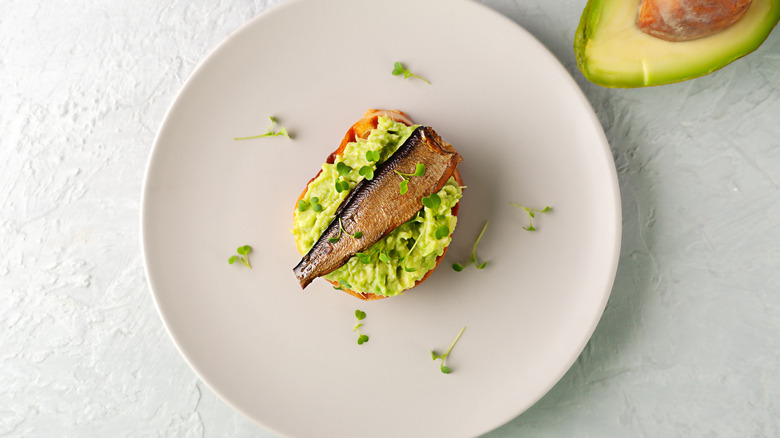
(613, 52)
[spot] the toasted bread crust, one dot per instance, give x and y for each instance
(361, 129)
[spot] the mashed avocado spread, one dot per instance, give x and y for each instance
(401, 258)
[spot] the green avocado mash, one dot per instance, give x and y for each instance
(401, 258)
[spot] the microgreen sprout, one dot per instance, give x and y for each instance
(409, 254)
(357, 235)
(315, 204)
(363, 257)
(342, 168)
(399, 69)
(419, 170)
(531, 214)
(473, 259)
(445, 369)
(242, 251)
(360, 315)
(269, 133)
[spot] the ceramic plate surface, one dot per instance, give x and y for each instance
(288, 359)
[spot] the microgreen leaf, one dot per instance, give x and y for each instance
(269, 132)
(384, 257)
(362, 339)
(432, 201)
(342, 186)
(531, 215)
(419, 170)
(399, 69)
(359, 314)
(316, 207)
(302, 205)
(242, 251)
(445, 369)
(404, 186)
(363, 257)
(373, 156)
(473, 259)
(442, 231)
(333, 239)
(358, 235)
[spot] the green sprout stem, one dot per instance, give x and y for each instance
(473, 259)
(362, 338)
(268, 133)
(531, 214)
(419, 170)
(445, 369)
(241, 257)
(400, 69)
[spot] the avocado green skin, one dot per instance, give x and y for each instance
(598, 74)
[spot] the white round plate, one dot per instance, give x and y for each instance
(288, 359)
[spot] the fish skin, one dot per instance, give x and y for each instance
(376, 207)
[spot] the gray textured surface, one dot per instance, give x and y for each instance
(688, 345)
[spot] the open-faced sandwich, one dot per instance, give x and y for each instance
(378, 217)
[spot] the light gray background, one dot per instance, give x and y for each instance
(688, 345)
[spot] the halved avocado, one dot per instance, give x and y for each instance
(612, 51)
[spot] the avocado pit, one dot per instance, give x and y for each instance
(685, 20)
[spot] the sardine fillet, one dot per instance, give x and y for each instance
(376, 207)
